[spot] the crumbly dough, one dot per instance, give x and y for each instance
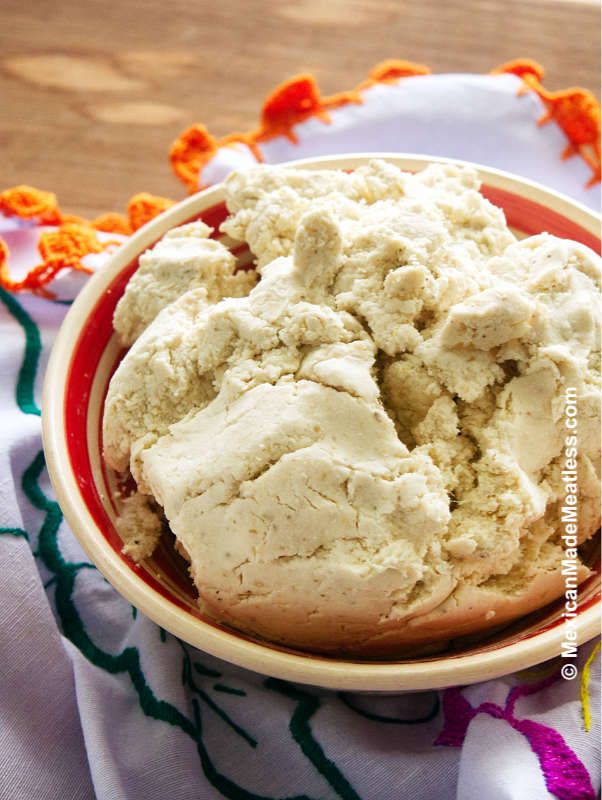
(183, 259)
(139, 525)
(364, 453)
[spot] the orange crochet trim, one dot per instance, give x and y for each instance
(74, 238)
(112, 223)
(29, 203)
(292, 102)
(576, 112)
(61, 249)
(144, 207)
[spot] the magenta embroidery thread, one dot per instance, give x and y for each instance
(565, 775)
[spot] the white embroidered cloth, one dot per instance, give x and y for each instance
(97, 701)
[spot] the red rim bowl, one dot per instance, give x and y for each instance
(83, 359)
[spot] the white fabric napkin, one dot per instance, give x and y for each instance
(97, 701)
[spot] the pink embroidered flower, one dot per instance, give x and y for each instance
(565, 775)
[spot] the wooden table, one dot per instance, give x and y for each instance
(93, 93)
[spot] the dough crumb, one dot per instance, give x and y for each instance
(139, 525)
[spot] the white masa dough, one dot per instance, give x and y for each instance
(363, 454)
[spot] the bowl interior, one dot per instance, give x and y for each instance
(95, 357)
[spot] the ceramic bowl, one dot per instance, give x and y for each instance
(84, 357)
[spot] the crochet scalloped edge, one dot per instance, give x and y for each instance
(290, 103)
(576, 111)
(74, 237)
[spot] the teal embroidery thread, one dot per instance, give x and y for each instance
(63, 576)
(128, 660)
(300, 729)
(189, 682)
(24, 391)
(203, 670)
(219, 687)
(221, 783)
(18, 533)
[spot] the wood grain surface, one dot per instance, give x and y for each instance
(92, 93)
